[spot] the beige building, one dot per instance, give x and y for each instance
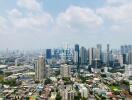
(40, 68)
(65, 70)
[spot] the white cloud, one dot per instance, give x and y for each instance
(30, 26)
(31, 21)
(14, 13)
(3, 25)
(116, 14)
(32, 5)
(39, 22)
(77, 19)
(118, 17)
(117, 2)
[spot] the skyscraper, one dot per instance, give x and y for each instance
(77, 47)
(83, 56)
(108, 51)
(75, 57)
(92, 55)
(99, 51)
(40, 68)
(48, 54)
(126, 49)
(130, 58)
(77, 53)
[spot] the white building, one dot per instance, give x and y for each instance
(92, 55)
(75, 57)
(83, 90)
(65, 70)
(130, 86)
(40, 68)
(128, 70)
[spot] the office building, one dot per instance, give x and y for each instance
(99, 49)
(130, 58)
(98, 54)
(108, 52)
(125, 49)
(83, 56)
(75, 57)
(48, 54)
(40, 68)
(92, 55)
(124, 58)
(77, 53)
(104, 57)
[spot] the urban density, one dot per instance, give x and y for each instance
(76, 73)
(65, 49)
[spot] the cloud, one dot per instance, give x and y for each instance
(14, 13)
(79, 19)
(31, 21)
(29, 25)
(32, 5)
(3, 22)
(117, 2)
(118, 17)
(117, 14)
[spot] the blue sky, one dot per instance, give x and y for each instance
(35, 24)
(57, 6)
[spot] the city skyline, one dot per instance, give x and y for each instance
(36, 24)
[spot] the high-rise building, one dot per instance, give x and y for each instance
(48, 54)
(16, 62)
(75, 57)
(120, 59)
(130, 58)
(48, 70)
(77, 47)
(40, 68)
(125, 49)
(129, 48)
(108, 52)
(92, 55)
(65, 70)
(83, 55)
(98, 54)
(77, 52)
(104, 57)
(124, 58)
(99, 48)
(128, 70)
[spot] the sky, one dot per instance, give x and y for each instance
(40, 24)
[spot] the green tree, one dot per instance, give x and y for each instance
(58, 97)
(27, 98)
(48, 81)
(78, 96)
